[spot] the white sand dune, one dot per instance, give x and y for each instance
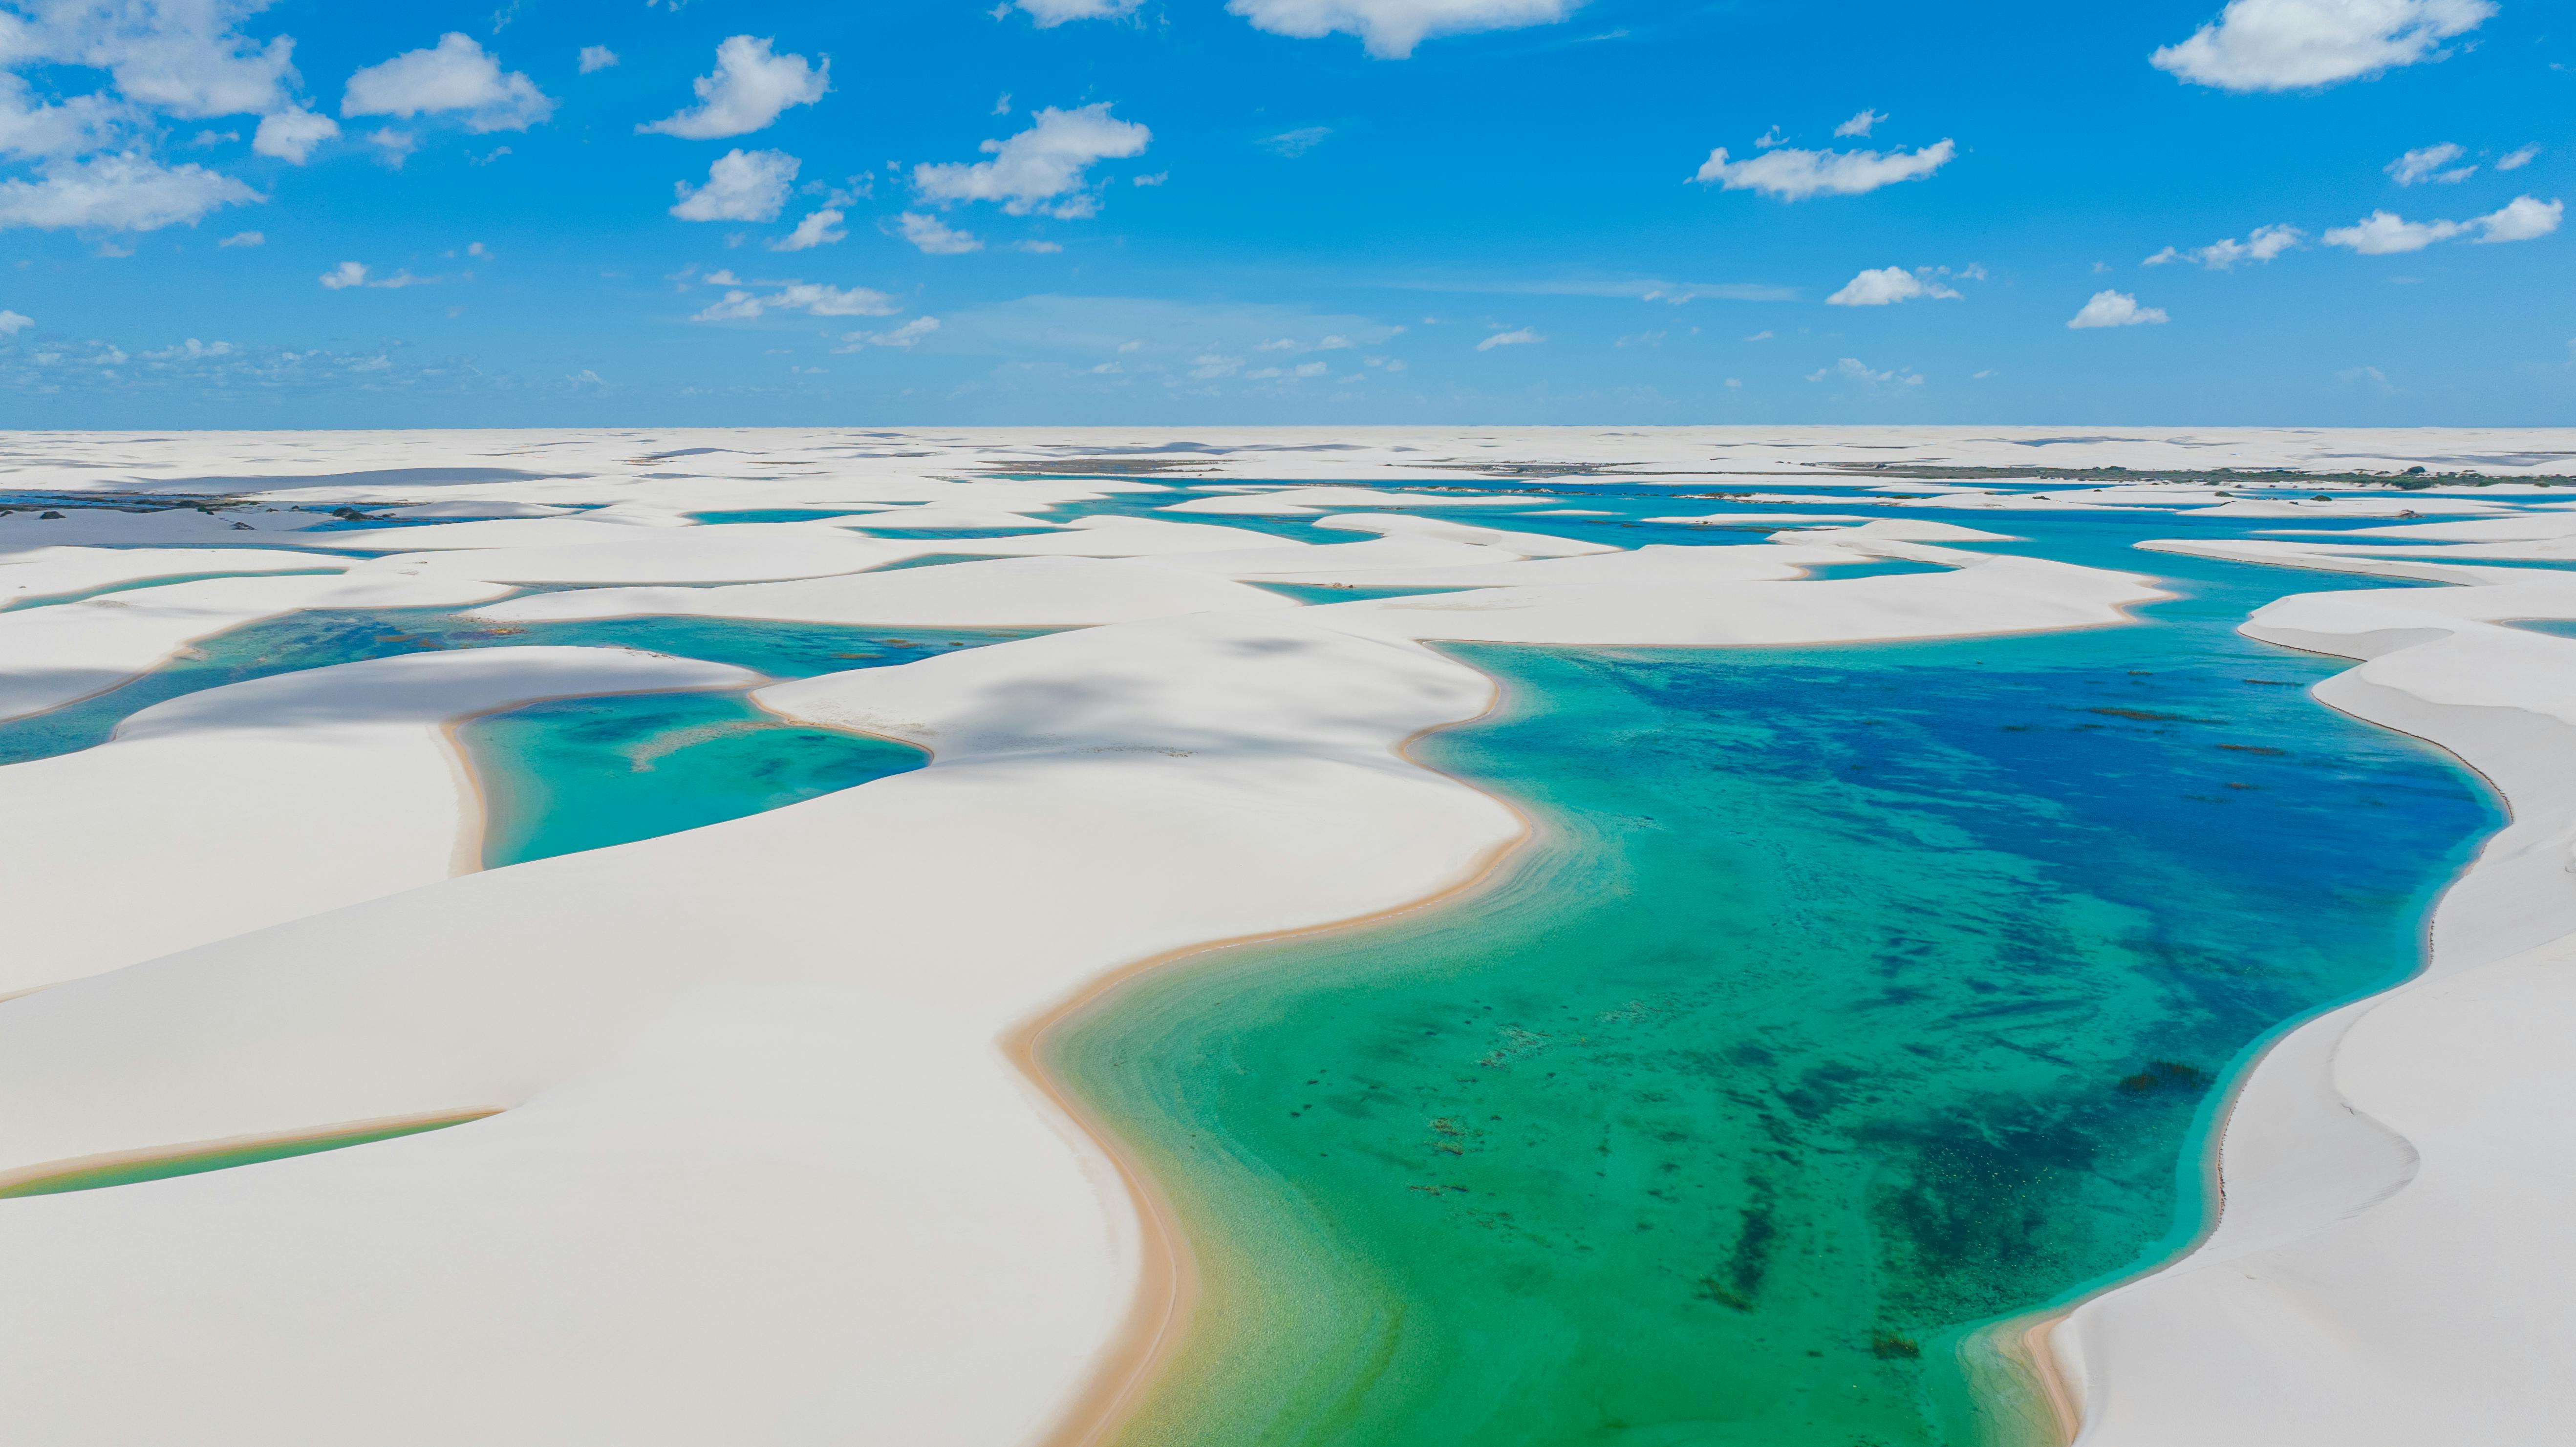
(764, 1172)
(229, 810)
(999, 593)
(1992, 595)
(722, 553)
(1655, 563)
(1298, 501)
(2392, 1261)
(1405, 525)
(51, 655)
(39, 573)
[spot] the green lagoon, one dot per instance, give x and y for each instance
(1848, 1000)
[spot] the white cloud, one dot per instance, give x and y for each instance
(1156, 179)
(2515, 160)
(1039, 164)
(1793, 175)
(748, 91)
(1520, 338)
(12, 323)
(350, 273)
(596, 57)
(819, 228)
(129, 192)
(189, 351)
(2299, 44)
(1770, 138)
(1333, 344)
(741, 186)
(2385, 233)
(2426, 164)
(1298, 142)
(1280, 344)
(393, 147)
(935, 236)
(1853, 369)
(291, 134)
(183, 58)
(1886, 286)
(2262, 244)
(72, 127)
(2116, 309)
(902, 336)
(1050, 13)
(813, 298)
(455, 75)
(1859, 125)
(1762, 336)
(2521, 219)
(1209, 366)
(245, 238)
(1392, 28)
(1037, 248)
(1302, 369)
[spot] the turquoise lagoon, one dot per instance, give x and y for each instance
(1847, 1001)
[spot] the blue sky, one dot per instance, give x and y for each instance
(576, 212)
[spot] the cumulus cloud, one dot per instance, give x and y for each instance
(1520, 338)
(2515, 160)
(751, 87)
(2301, 44)
(1853, 369)
(1794, 175)
(813, 298)
(2116, 309)
(72, 127)
(2428, 164)
(291, 134)
(1889, 285)
(2385, 233)
(183, 58)
(2521, 219)
(12, 323)
(127, 192)
(1859, 125)
(244, 238)
(1032, 169)
(819, 228)
(902, 336)
(350, 273)
(1390, 29)
(1051, 13)
(2262, 244)
(393, 147)
(456, 75)
(935, 236)
(596, 57)
(741, 186)
(1037, 248)
(190, 350)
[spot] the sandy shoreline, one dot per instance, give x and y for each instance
(1168, 1294)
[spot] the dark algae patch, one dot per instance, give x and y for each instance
(1848, 1000)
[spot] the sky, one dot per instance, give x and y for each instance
(225, 213)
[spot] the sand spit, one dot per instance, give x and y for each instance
(239, 807)
(52, 655)
(2390, 1265)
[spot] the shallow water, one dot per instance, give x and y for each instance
(1851, 998)
(585, 773)
(316, 639)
